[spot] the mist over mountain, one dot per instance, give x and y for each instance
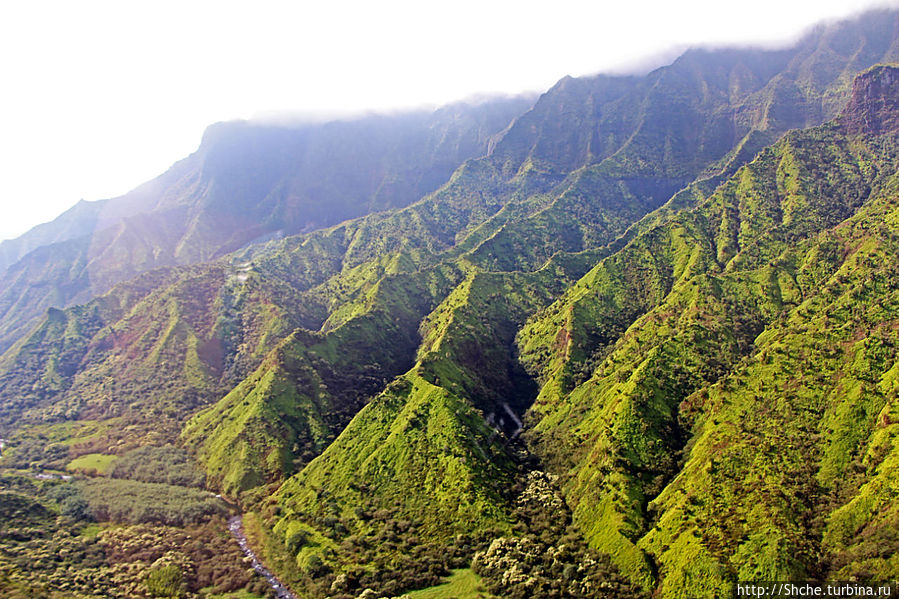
(245, 183)
(635, 337)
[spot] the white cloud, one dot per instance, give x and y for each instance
(102, 95)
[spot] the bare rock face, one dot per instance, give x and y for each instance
(873, 107)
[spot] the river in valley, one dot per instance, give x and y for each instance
(235, 525)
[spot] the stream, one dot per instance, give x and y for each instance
(235, 525)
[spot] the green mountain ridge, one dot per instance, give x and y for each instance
(281, 179)
(708, 110)
(723, 273)
(644, 345)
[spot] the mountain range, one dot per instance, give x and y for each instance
(636, 336)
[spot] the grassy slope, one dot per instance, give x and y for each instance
(712, 279)
(793, 458)
(151, 351)
(462, 584)
(92, 463)
(310, 386)
(424, 450)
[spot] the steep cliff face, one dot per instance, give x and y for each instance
(290, 177)
(873, 107)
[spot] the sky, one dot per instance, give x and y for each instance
(100, 96)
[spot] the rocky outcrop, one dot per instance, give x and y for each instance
(873, 107)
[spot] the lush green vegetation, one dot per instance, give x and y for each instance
(311, 385)
(692, 313)
(461, 584)
(168, 464)
(47, 550)
(618, 357)
(137, 502)
(547, 557)
(743, 288)
(92, 463)
(55, 445)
